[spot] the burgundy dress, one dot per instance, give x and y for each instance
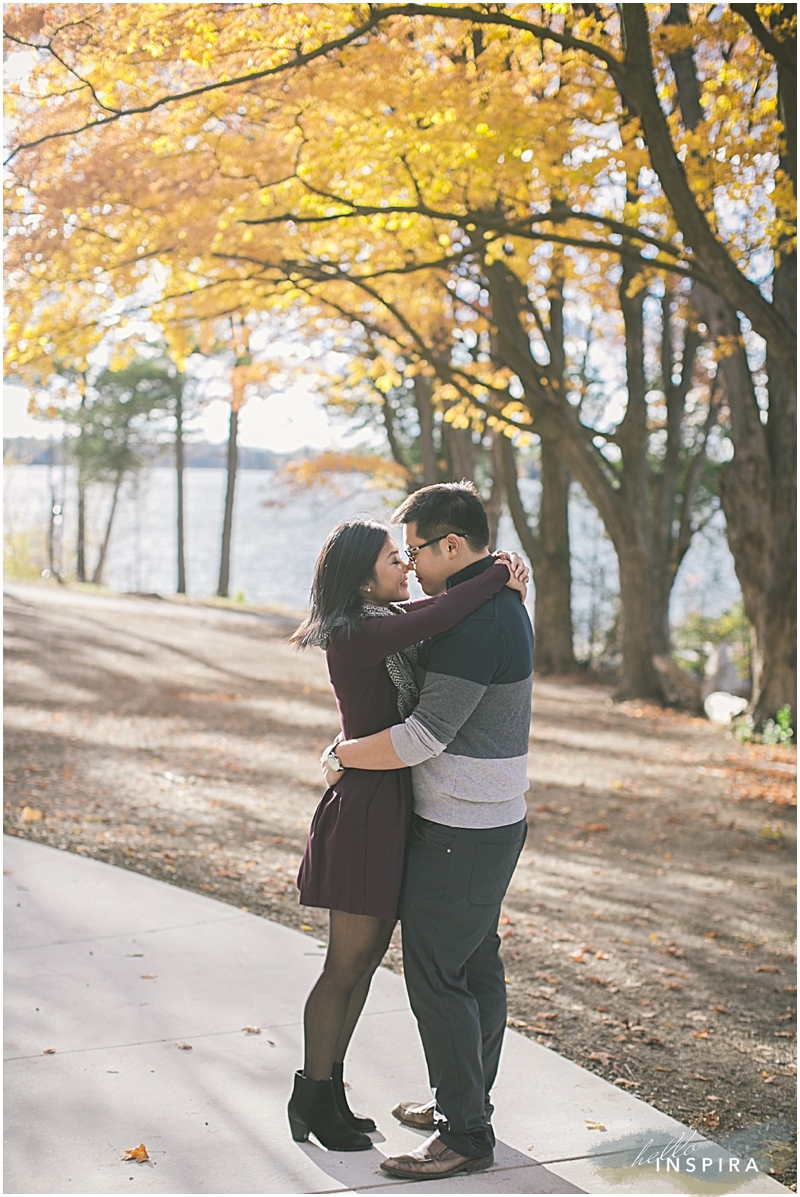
(354, 856)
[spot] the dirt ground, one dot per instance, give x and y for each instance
(649, 926)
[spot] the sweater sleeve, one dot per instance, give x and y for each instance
(381, 636)
(459, 669)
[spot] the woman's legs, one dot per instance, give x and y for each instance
(360, 992)
(355, 947)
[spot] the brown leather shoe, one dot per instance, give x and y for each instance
(433, 1160)
(422, 1116)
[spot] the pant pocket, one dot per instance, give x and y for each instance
(492, 867)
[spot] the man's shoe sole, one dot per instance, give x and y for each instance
(431, 1125)
(468, 1166)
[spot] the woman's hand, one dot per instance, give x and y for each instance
(520, 574)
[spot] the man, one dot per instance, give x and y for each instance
(467, 744)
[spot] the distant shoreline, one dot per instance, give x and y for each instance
(198, 455)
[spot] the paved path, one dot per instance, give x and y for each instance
(114, 971)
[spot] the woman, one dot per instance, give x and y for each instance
(353, 862)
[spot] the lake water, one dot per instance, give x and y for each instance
(275, 546)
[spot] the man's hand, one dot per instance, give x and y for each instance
(330, 774)
(520, 574)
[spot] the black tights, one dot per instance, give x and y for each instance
(356, 946)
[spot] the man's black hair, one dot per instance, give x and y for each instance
(446, 507)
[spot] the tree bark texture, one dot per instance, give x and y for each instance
(227, 525)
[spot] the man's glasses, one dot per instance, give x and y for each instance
(412, 552)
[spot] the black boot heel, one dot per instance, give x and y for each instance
(354, 1121)
(313, 1110)
(298, 1128)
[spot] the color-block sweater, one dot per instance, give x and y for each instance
(467, 740)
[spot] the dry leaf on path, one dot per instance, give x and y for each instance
(48, 1051)
(698, 1077)
(149, 976)
(139, 1154)
(252, 1030)
(29, 815)
(593, 1125)
(628, 1084)
(184, 1047)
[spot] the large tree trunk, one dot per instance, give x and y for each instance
(179, 467)
(227, 524)
(97, 576)
(80, 550)
(778, 648)
(640, 676)
(549, 555)
(759, 488)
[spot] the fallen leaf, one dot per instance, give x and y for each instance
(252, 1030)
(139, 1154)
(504, 920)
(184, 1047)
(148, 976)
(658, 1068)
(702, 1034)
(29, 815)
(698, 1077)
(600, 954)
(604, 1058)
(767, 1077)
(593, 1125)
(628, 1084)
(767, 968)
(306, 927)
(48, 1051)
(709, 1119)
(519, 1022)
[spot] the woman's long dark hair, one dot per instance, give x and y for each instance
(346, 562)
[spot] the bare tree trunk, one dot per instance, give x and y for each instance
(427, 449)
(97, 576)
(553, 616)
(549, 555)
(55, 517)
(81, 545)
(227, 525)
(461, 451)
(179, 468)
(494, 504)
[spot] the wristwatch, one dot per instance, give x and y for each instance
(335, 762)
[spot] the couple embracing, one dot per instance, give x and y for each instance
(424, 817)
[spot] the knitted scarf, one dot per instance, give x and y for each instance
(400, 666)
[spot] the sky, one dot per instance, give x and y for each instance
(283, 423)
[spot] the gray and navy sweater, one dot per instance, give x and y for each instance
(467, 740)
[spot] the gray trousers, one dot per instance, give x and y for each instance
(455, 881)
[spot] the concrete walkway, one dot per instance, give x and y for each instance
(119, 974)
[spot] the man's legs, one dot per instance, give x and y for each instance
(455, 882)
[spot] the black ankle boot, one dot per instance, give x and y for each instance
(312, 1109)
(355, 1121)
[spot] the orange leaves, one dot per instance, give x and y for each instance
(137, 1154)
